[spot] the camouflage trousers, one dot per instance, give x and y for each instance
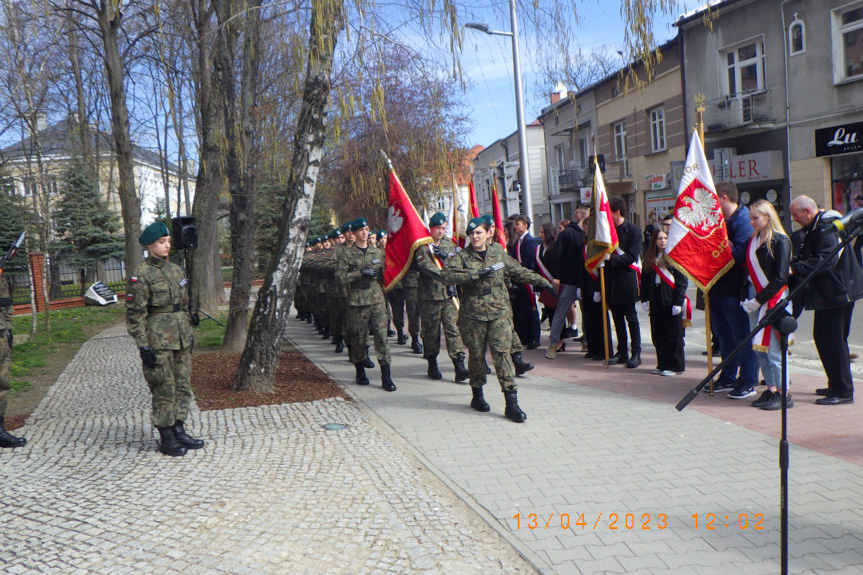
(433, 314)
(337, 308)
(169, 385)
(5, 371)
(358, 321)
(319, 309)
(402, 300)
(495, 335)
(516, 346)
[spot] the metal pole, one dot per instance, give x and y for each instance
(524, 160)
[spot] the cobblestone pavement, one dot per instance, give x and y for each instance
(601, 480)
(273, 491)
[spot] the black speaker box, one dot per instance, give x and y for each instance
(184, 233)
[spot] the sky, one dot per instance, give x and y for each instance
(487, 61)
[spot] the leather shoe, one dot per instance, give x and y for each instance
(822, 391)
(833, 400)
(619, 357)
(532, 344)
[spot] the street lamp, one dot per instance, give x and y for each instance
(519, 105)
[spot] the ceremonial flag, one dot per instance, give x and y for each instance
(459, 216)
(697, 241)
(500, 236)
(474, 207)
(405, 233)
(601, 231)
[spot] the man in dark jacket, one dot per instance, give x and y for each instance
(831, 295)
(567, 266)
(623, 269)
(525, 314)
(729, 321)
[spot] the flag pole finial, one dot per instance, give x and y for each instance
(386, 159)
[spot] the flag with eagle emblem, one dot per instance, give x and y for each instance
(405, 233)
(697, 240)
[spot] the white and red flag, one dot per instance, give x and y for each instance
(603, 241)
(499, 235)
(697, 240)
(405, 233)
(474, 207)
(459, 218)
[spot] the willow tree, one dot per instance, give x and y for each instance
(436, 23)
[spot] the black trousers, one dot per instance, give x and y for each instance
(591, 313)
(525, 316)
(666, 331)
(830, 329)
(625, 315)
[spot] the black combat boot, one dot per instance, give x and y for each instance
(340, 345)
(461, 372)
(184, 438)
(402, 338)
(326, 334)
(368, 363)
(7, 439)
(487, 369)
(513, 411)
(416, 346)
(478, 403)
(362, 378)
(635, 358)
(386, 380)
(433, 371)
(309, 318)
(619, 357)
(390, 331)
(521, 366)
(168, 443)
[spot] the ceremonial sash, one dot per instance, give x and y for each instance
(761, 341)
(528, 286)
(666, 276)
(635, 265)
(438, 260)
(545, 297)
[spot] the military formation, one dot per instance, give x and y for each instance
(463, 293)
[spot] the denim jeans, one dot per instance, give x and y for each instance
(769, 361)
(731, 326)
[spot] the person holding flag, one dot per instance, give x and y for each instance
(624, 276)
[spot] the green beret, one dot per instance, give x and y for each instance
(382, 234)
(152, 233)
(475, 223)
(488, 219)
(335, 233)
(438, 219)
(358, 224)
(346, 227)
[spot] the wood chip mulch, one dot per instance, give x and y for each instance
(297, 380)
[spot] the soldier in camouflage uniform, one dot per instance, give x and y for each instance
(337, 293)
(6, 438)
(158, 319)
(437, 304)
(360, 268)
(412, 307)
(485, 316)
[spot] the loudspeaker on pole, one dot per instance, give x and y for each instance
(184, 233)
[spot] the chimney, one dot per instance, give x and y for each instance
(559, 93)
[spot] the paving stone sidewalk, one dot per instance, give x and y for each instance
(273, 491)
(599, 482)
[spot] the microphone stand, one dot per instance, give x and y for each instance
(187, 268)
(784, 324)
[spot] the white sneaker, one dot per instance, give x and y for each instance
(551, 353)
(656, 371)
(667, 372)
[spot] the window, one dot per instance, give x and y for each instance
(745, 68)
(29, 186)
(848, 43)
(583, 148)
(558, 151)
(7, 185)
(657, 129)
(619, 141)
(797, 36)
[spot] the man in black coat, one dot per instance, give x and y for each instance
(622, 277)
(567, 267)
(525, 314)
(831, 295)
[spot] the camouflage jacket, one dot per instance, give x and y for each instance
(486, 299)
(313, 264)
(157, 306)
(431, 286)
(362, 290)
(411, 279)
(328, 267)
(5, 310)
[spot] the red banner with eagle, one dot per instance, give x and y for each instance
(698, 241)
(405, 233)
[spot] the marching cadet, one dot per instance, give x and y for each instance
(437, 305)
(300, 295)
(411, 281)
(6, 438)
(158, 319)
(485, 318)
(337, 293)
(360, 268)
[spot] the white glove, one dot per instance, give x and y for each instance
(597, 297)
(750, 306)
(676, 310)
(645, 305)
(577, 293)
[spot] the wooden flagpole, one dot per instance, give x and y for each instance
(699, 127)
(604, 315)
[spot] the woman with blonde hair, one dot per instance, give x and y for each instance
(768, 258)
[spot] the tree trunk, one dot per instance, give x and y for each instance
(242, 152)
(130, 205)
(264, 344)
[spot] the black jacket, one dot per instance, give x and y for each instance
(621, 279)
(775, 266)
(567, 256)
(840, 281)
(662, 293)
(739, 231)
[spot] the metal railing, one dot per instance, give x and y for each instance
(747, 109)
(574, 178)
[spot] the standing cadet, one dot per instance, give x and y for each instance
(436, 302)
(6, 438)
(485, 316)
(158, 319)
(360, 268)
(337, 293)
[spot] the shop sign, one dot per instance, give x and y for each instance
(657, 181)
(758, 167)
(839, 139)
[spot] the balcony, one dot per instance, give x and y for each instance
(747, 110)
(574, 178)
